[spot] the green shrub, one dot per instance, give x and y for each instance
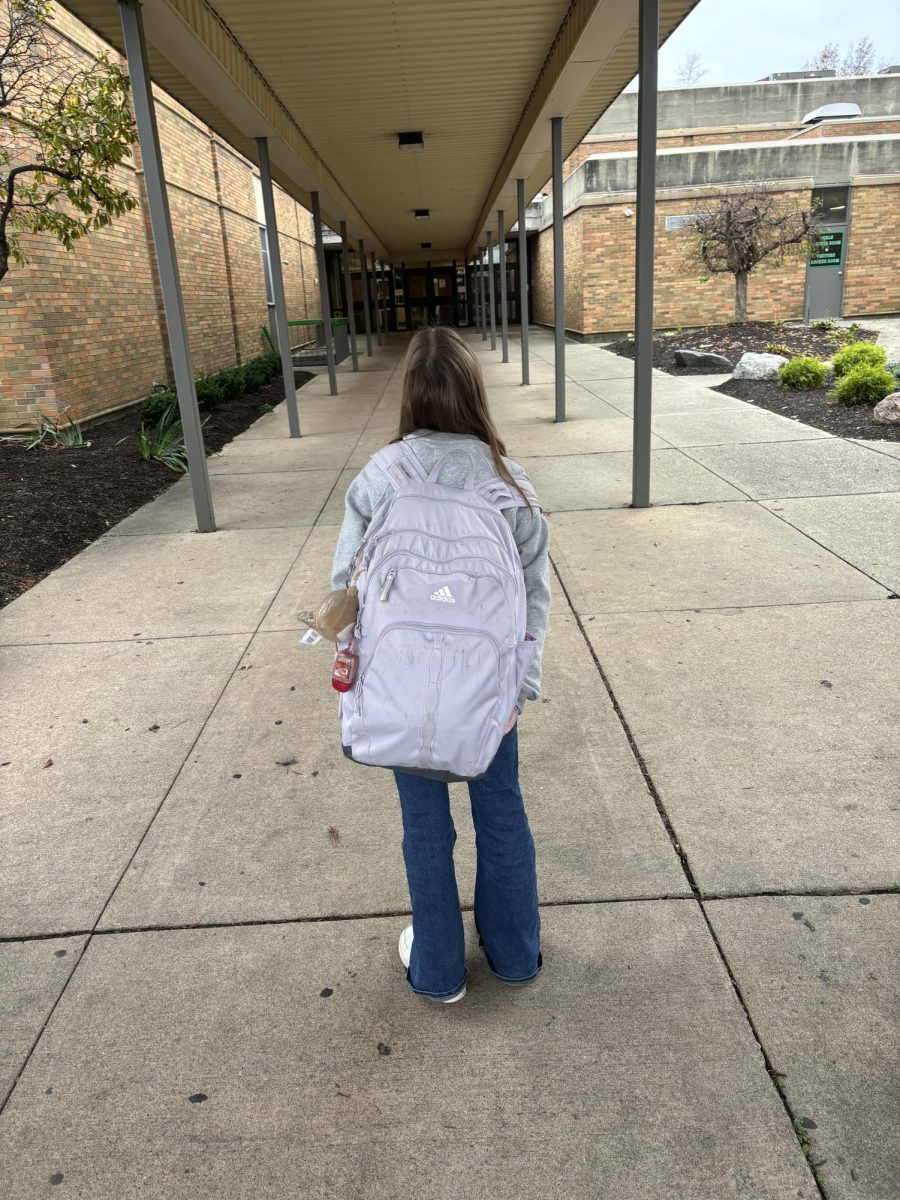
(216, 388)
(157, 403)
(858, 355)
(231, 381)
(257, 373)
(894, 368)
(210, 393)
(802, 374)
(824, 323)
(779, 348)
(866, 384)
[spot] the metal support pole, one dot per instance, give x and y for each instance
(376, 299)
(504, 315)
(473, 296)
(283, 339)
(324, 298)
(559, 274)
(482, 296)
(351, 307)
(523, 279)
(164, 242)
(648, 45)
(365, 290)
(491, 300)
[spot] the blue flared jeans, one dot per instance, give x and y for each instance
(506, 902)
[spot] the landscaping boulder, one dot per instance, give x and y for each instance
(759, 366)
(714, 363)
(887, 411)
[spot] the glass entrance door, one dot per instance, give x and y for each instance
(431, 296)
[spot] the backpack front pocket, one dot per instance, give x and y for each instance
(429, 699)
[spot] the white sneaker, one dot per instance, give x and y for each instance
(405, 950)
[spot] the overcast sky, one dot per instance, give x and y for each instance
(742, 40)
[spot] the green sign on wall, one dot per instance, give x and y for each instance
(827, 249)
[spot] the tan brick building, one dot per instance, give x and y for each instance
(710, 138)
(82, 331)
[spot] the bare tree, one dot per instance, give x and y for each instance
(735, 230)
(64, 126)
(690, 70)
(858, 58)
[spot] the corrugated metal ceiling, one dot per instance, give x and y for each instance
(350, 74)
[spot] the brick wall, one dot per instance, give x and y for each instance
(601, 273)
(541, 276)
(871, 279)
(860, 127)
(575, 252)
(83, 331)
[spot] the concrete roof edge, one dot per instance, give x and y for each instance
(716, 147)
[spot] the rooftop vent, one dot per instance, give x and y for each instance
(413, 141)
(785, 76)
(831, 112)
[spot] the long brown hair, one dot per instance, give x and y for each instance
(443, 390)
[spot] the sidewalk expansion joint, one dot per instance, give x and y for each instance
(632, 742)
(319, 919)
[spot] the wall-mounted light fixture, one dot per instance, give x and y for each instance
(412, 140)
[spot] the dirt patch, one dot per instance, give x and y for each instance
(813, 408)
(55, 502)
(735, 340)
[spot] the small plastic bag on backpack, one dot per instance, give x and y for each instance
(336, 616)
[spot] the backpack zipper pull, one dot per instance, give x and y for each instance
(387, 585)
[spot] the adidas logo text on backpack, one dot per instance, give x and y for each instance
(441, 636)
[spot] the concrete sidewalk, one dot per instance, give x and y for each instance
(200, 898)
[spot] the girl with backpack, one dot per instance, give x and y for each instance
(445, 541)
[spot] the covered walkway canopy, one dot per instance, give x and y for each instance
(366, 110)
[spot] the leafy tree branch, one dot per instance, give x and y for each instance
(64, 128)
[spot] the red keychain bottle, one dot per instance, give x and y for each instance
(343, 674)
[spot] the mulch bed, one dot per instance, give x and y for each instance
(735, 340)
(813, 408)
(54, 502)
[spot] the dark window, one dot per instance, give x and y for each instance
(831, 204)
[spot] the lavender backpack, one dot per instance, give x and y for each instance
(440, 638)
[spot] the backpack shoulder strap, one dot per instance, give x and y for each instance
(400, 464)
(503, 495)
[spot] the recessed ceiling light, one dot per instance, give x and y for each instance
(411, 140)
(422, 214)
